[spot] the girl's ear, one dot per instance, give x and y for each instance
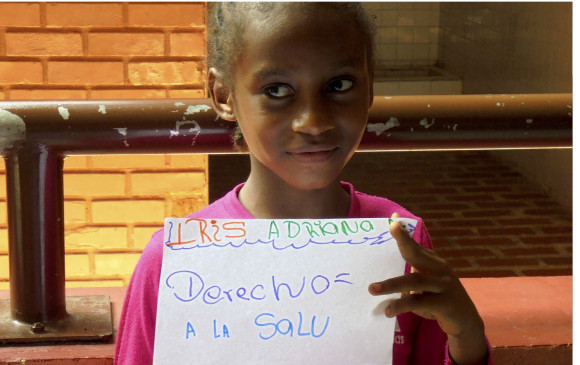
(221, 95)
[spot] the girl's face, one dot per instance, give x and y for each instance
(302, 90)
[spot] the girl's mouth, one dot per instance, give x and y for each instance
(314, 156)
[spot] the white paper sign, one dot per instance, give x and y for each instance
(264, 291)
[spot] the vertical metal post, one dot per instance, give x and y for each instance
(36, 233)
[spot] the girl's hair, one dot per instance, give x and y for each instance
(226, 23)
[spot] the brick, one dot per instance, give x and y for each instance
(465, 182)
(479, 273)
(413, 199)
(128, 94)
(3, 241)
(183, 204)
(451, 232)
(97, 238)
(558, 260)
(548, 272)
(486, 213)
(465, 252)
(93, 283)
(172, 15)
(466, 223)
(48, 94)
(511, 204)
(459, 263)
(529, 251)
(165, 73)
(471, 175)
(166, 183)
(188, 94)
(19, 14)
(116, 264)
(547, 240)
(187, 44)
(546, 204)
(553, 239)
(439, 242)
(432, 215)
(487, 241)
(510, 175)
(523, 221)
(84, 14)
(433, 191)
(75, 162)
(126, 44)
(486, 189)
(4, 267)
(94, 73)
(444, 206)
(127, 161)
(556, 230)
(526, 196)
(543, 211)
(76, 265)
(470, 198)
(191, 161)
(493, 168)
(75, 212)
(44, 44)
(142, 235)
(502, 181)
(16, 72)
(504, 231)
(512, 261)
(128, 211)
(3, 213)
(94, 184)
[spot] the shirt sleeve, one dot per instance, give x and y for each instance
(136, 334)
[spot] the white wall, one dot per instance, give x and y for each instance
(407, 33)
(514, 48)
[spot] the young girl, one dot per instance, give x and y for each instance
(297, 78)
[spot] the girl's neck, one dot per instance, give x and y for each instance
(265, 195)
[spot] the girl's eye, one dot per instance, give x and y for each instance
(340, 85)
(278, 91)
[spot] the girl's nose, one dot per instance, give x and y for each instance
(315, 119)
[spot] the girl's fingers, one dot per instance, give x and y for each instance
(424, 304)
(414, 282)
(418, 257)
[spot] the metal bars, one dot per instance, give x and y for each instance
(36, 136)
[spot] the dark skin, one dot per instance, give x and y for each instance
(433, 291)
(301, 93)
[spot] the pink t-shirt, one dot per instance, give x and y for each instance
(416, 341)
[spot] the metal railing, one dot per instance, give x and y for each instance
(36, 136)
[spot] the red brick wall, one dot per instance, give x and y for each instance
(101, 50)
(484, 217)
(108, 51)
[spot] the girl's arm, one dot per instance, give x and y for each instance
(136, 334)
(433, 291)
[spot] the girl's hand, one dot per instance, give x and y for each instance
(432, 290)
